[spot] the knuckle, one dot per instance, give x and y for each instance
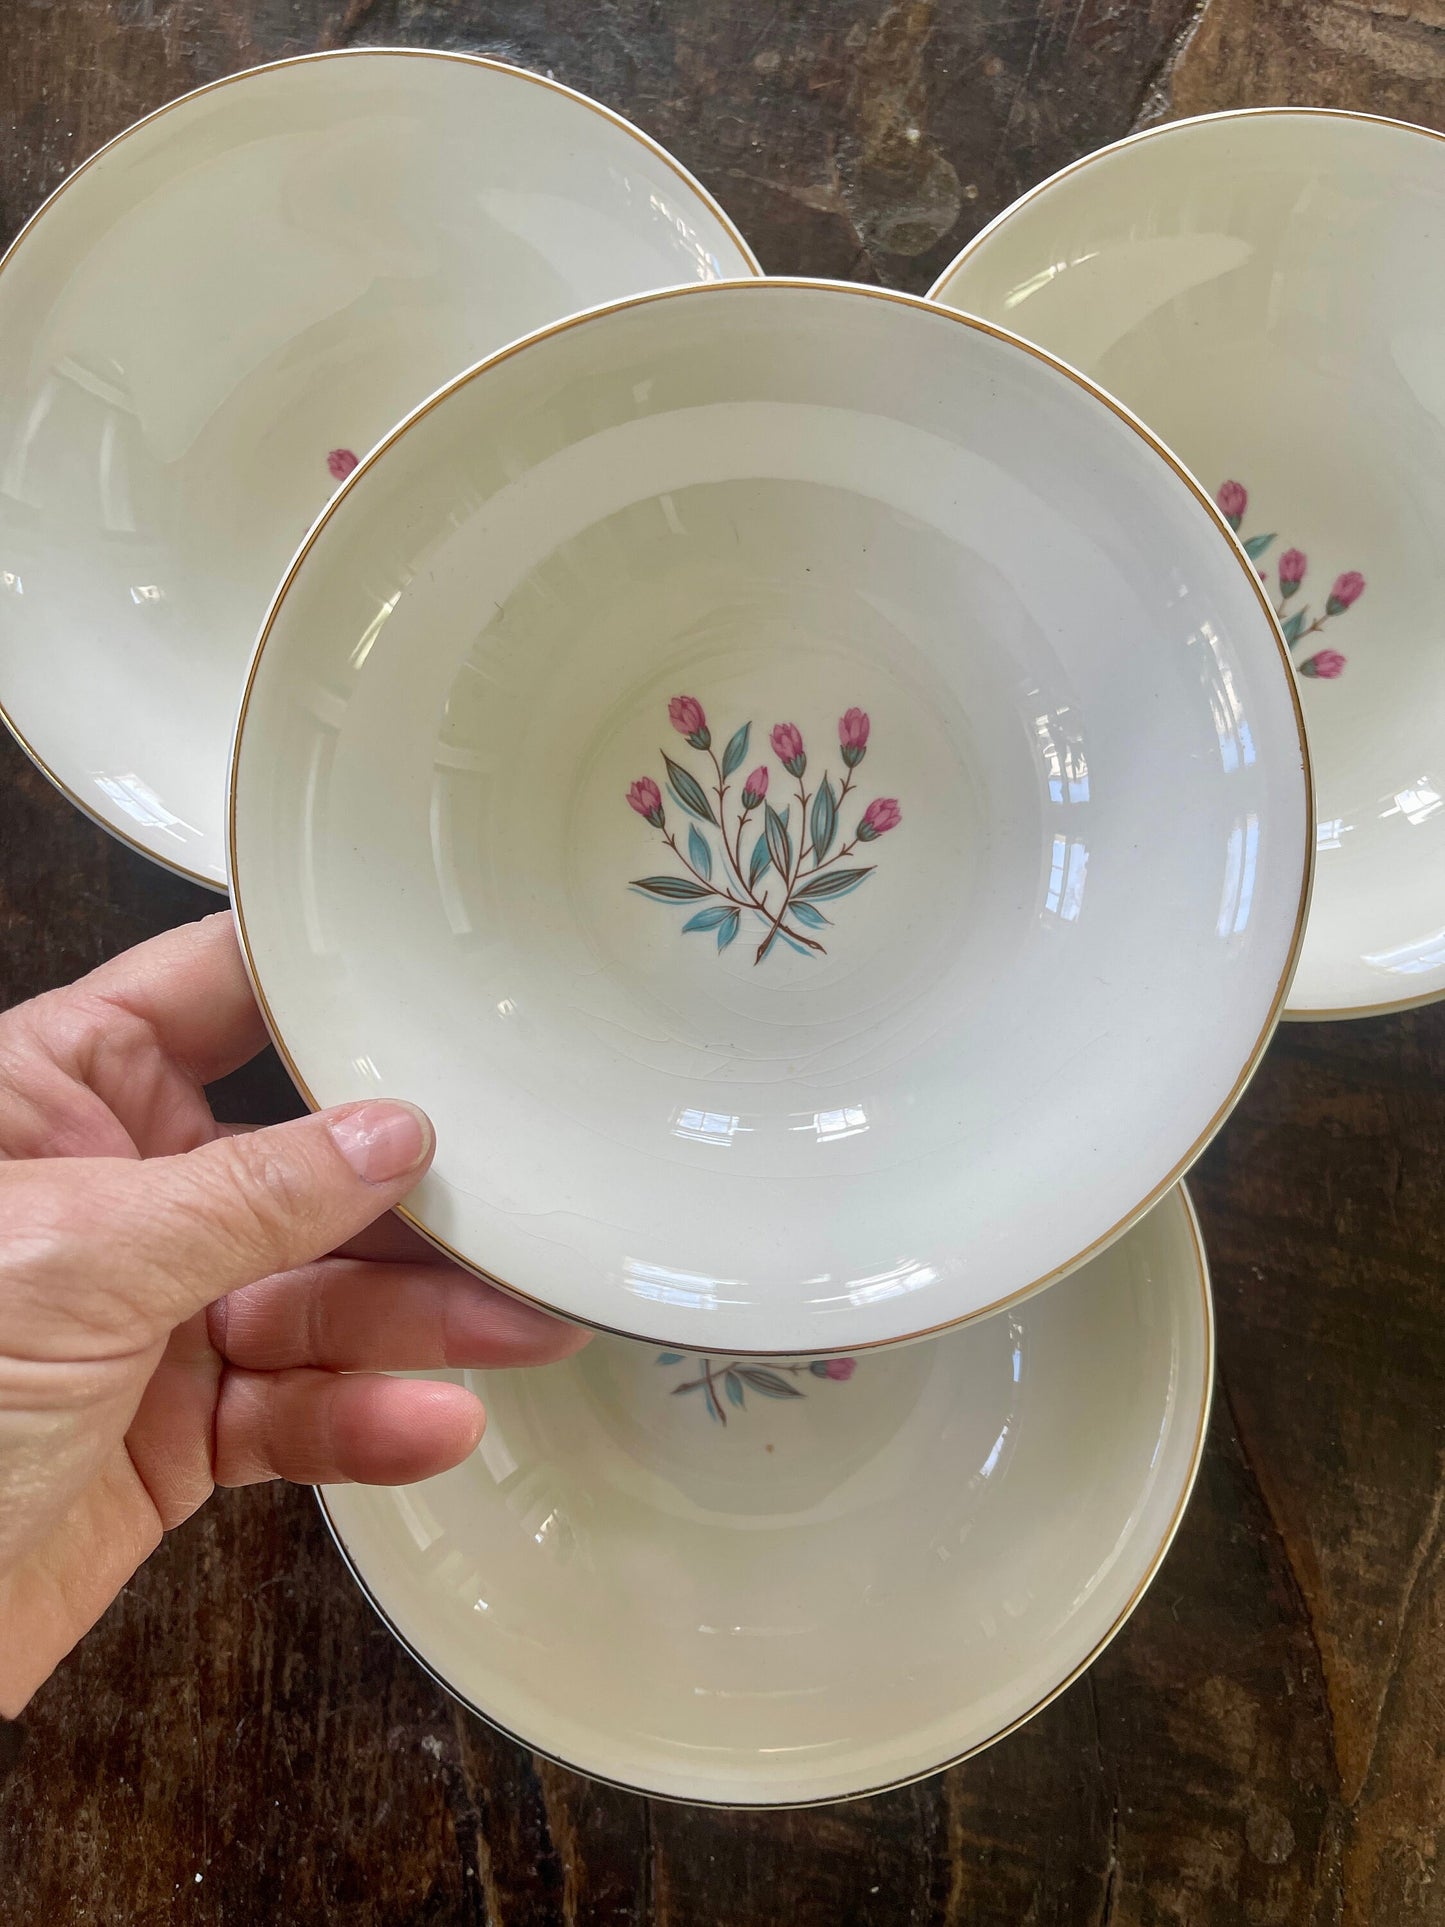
(264, 1202)
(56, 1275)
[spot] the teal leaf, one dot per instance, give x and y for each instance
(793, 944)
(780, 844)
(727, 930)
(1255, 545)
(733, 1387)
(768, 942)
(710, 918)
(688, 791)
(770, 1384)
(806, 914)
(698, 850)
(825, 819)
(736, 750)
(759, 863)
(671, 889)
(669, 1358)
(832, 883)
(1294, 625)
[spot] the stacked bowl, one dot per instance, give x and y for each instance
(806, 788)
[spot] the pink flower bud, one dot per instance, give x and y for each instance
(1326, 662)
(1233, 500)
(853, 727)
(881, 815)
(842, 1368)
(686, 715)
(1348, 588)
(787, 741)
(755, 787)
(1292, 566)
(646, 798)
(341, 461)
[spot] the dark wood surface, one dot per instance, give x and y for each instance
(240, 1742)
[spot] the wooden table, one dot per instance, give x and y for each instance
(240, 1741)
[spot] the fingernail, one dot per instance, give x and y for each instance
(383, 1141)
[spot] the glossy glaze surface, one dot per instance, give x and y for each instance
(203, 329)
(844, 1591)
(1265, 290)
(775, 499)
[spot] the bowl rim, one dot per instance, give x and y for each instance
(1296, 1013)
(504, 67)
(1115, 1627)
(765, 288)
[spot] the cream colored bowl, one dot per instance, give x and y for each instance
(718, 1580)
(1266, 290)
(209, 323)
(803, 791)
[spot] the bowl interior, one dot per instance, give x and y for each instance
(214, 319)
(1265, 291)
(1071, 857)
(831, 1591)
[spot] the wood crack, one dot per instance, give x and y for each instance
(1295, 1582)
(1155, 102)
(1425, 1549)
(1109, 1903)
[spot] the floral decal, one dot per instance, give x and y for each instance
(791, 868)
(340, 463)
(1346, 590)
(733, 1381)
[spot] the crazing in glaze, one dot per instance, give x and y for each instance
(777, 884)
(1233, 499)
(740, 1375)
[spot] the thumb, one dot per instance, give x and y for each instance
(199, 1225)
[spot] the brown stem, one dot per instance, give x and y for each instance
(726, 895)
(720, 792)
(738, 848)
(711, 1390)
(788, 882)
(737, 902)
(733, 1365)
(842, 798)
(847, 785)
(805, 837)
(734, 858)
(708, 1383)
(828, 862)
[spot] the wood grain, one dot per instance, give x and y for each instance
(240, 1741)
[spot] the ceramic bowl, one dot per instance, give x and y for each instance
(1265, 290)
(728, 1582)
(207, 324)
(806, 794)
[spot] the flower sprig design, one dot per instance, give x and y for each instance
(730, 1383)
(1346, 590)
(791, 868)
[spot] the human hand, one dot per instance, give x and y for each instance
(170, 1319)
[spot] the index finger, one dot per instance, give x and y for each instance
(190, 990)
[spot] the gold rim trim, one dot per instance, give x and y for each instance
(1304, 1013)
(1125, 1613)
(762, 289)
(655, 148)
